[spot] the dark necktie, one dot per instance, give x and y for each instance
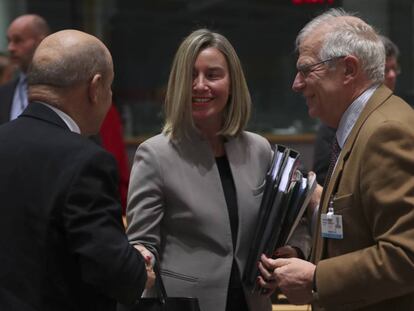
(335, 151)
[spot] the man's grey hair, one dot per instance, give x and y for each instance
(65, 68)
(348, 36)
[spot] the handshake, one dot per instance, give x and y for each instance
(149, 264)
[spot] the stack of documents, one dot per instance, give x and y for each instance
(285, 198)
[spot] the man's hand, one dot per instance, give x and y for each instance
(293, 276)
(148, 257)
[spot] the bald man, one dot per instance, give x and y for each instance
(24, 35)
(62, 240)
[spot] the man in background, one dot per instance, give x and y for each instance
(325, 134)
(392, 67)
(63, 245)
(24, 35)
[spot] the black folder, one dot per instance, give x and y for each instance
(282, 202)
(301, 196)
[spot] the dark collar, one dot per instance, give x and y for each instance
(39, 111)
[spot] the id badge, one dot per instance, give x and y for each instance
(331, 226)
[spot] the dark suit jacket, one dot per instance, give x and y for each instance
(372, 187)
(6, 100)
(62, 241)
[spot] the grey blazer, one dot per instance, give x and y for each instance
(177, 209)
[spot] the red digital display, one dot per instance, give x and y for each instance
(299, 2)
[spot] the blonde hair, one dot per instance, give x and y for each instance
(178, 116)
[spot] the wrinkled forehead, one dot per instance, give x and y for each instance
(315, 35)
(311, 44)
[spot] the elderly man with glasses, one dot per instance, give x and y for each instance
(363, 250)
(325, 134)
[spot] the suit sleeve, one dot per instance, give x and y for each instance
(384, 269)
(94, 230)
(145, 208)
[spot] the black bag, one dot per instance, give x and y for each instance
(162, 302)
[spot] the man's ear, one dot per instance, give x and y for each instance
(93, 88)
(352, 68)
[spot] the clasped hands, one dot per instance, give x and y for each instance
(293, 276)
(148, 257)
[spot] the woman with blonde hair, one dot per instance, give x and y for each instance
(195, 189)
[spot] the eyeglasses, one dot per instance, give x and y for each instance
(305, 70)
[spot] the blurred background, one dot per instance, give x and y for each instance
(143, 36)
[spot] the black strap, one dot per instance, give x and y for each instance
(161, 292)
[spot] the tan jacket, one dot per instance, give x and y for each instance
(372, 267)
